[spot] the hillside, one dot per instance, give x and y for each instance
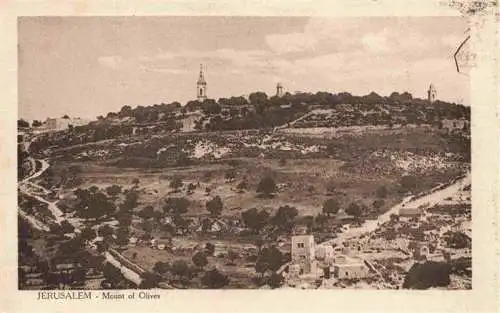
(299, 114)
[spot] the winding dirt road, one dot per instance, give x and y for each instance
(58, 215)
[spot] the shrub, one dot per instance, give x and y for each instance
(209, 248)
(408, 183)
(181, 269)
(354, 209)
(176, 205)
(254, 219)
(266, 186)
(214, 279)
(214, 206)
(429, 274)
(331, 206)
(275, 280)
(285, 217)
(176, 183)
(200, 259)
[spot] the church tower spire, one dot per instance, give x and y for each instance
(201, 86)
(431, 94)
(279, 90)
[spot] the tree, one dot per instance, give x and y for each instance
(266, 186)
(66, 227)
(78, 276)
(378, 203)
(394, 217)
(131, 201)
(209, 107)
(232, 256)
(161, 267)
(209, 248)
(214, 206)
(270, 258)
(254, 219)
(275, 280)
(214, 279)
(180, 268)
(257, 98)
(373, 98)
(457, 240)
(126, 110)
(309, 222)
(113, 190)
(191, 188)
(200, 259)
(124, 219)
(93, 189)
(88, 234)
(36, 123)
(176, 205)
(181, 223)
(230, 175)
(193, 105)
(93, 203)
(122, 236)
(331, 206)
(112, 274)
(176, 183)
(147, 212)
(261, 267)
(105, 231)
(408, 183)
(429, 274)
(149, 281)
(285, 217)
(320, 220)
(354, 209)
(147, 227)
(22, 123)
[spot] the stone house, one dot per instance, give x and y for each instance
(303, 252)
(410, 213)
(348, 268)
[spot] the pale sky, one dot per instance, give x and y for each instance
(87, 66)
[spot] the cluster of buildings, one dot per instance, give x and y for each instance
(55, 124)
(313, 261)
(62, 123)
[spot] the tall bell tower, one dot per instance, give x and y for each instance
(201, 86)
(431, 94)
(279, 90)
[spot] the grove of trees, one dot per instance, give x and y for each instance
(266, 187)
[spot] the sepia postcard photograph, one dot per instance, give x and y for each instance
(242, 152)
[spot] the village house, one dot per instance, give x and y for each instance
(324, 252)
(420, 251)
(410, 213)
(311, 260)
(303, 253)
(348, 268)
